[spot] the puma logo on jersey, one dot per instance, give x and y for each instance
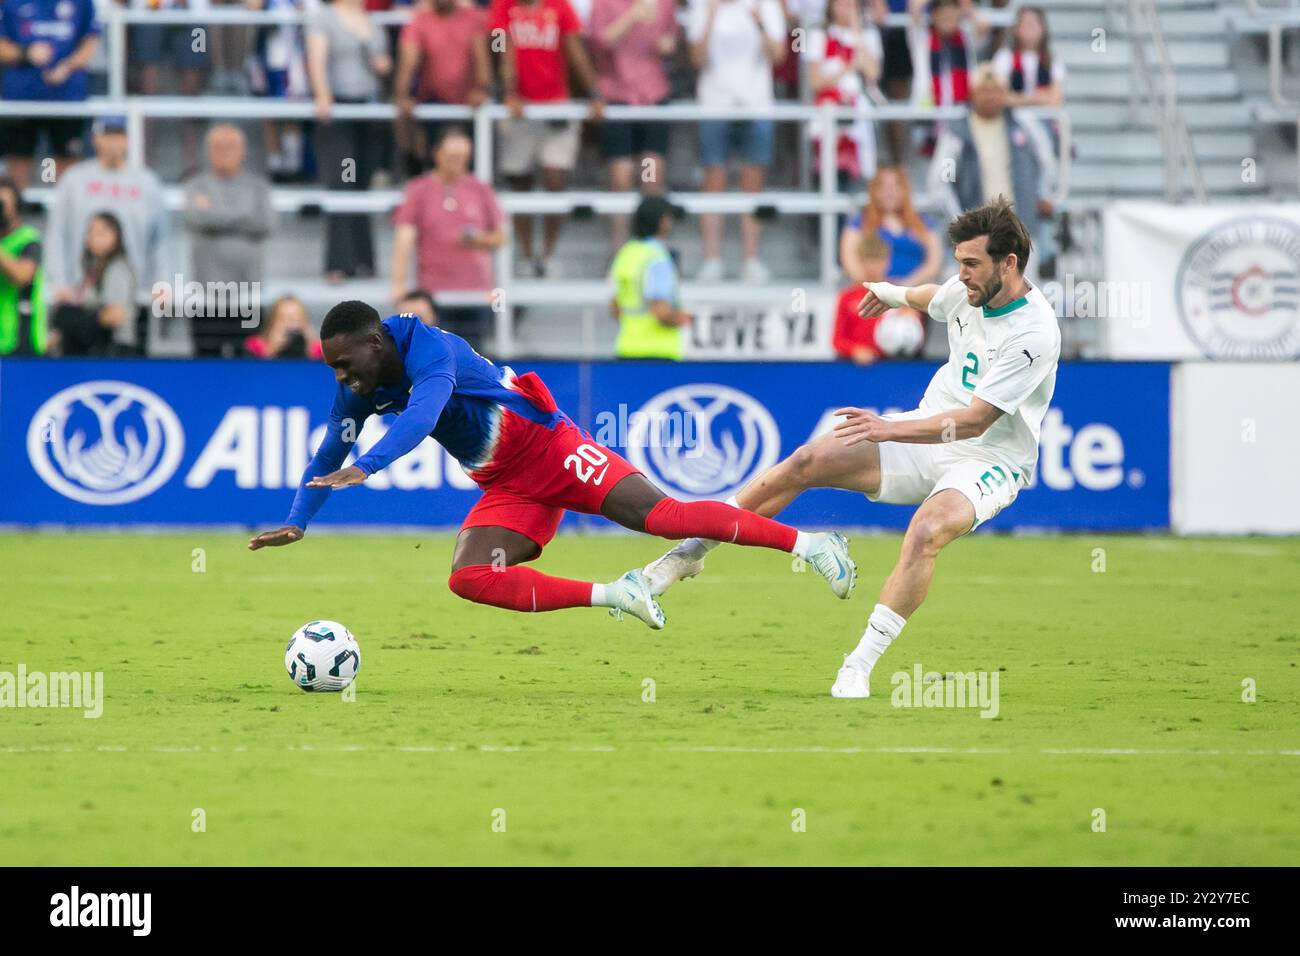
(1031, 358)
(960, 325)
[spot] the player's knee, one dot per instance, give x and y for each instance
(925, 536)
(472, 582)
(806, 464)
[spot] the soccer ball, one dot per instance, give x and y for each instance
(322, 655)
(899, 333)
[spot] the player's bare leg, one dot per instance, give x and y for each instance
(825, 462)
(637, 504)
(938, 522)
(486, 569)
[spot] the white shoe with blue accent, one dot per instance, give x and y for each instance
(632, 592)
(829, 555)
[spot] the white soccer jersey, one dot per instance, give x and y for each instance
(1008, 358)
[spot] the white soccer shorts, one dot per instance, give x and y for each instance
(910, 473)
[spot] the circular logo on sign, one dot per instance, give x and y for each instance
(105, 443)
(1238, 289)
(721, 437)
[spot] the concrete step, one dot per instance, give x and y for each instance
(1138, 145)
(1089, 180)
(1089, 117)
(1118, 54)
(1185, 24)
(1054, 6)
(1102, 84)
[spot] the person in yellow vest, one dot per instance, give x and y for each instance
(22, 309)
(644, 278)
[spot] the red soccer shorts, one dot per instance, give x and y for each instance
(538, 473)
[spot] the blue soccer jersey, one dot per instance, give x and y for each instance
(447, 390)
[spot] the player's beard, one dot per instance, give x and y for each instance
(989, 292)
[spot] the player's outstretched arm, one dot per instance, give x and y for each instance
(428, 398)
(883, 296)
(861, 424)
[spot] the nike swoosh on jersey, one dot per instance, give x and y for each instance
(601, 476)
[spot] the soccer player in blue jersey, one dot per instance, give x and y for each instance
(532, 462)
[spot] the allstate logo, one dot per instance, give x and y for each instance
(1239, 289)
(105, 443)
(733, 438)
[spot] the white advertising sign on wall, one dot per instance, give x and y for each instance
(1236, 448)
(798, 330)
(1223, 281)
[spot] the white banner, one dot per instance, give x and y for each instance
(1222, 282)
(796, 331)
(1236, 449)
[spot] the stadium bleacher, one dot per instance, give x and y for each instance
(1223, 59)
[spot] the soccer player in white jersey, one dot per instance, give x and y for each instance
(963, 455)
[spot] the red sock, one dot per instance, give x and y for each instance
(721, 522)
(518, 589)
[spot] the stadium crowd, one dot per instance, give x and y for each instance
(86, 284)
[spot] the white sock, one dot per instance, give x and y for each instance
(599, 597)
(697, 548)
(883, 627)
(802, 541)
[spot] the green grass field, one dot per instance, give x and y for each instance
(1119, 691)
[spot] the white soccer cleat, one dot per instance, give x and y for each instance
(676, 565)
(829, 555)
(632, 591)
(851, 682)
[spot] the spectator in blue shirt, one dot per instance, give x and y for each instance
(45, 47)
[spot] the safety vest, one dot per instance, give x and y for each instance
(640, 334)
(21, 312)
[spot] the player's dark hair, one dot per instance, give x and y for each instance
(998, 221)
(349, 317)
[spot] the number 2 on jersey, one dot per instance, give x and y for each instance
(972, 367)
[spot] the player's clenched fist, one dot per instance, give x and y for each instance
(275, 539)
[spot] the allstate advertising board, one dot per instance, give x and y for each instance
(224, 443)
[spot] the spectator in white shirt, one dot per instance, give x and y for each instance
(843, 69)
(1033, 76)
(734, 45)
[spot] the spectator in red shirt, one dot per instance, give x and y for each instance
(452, 222)
(630, 40)
(442, 57)
(539, 42)
(857, 339)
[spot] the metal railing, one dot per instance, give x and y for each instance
(827, 203)
(1272, 21)
(1143, 20)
